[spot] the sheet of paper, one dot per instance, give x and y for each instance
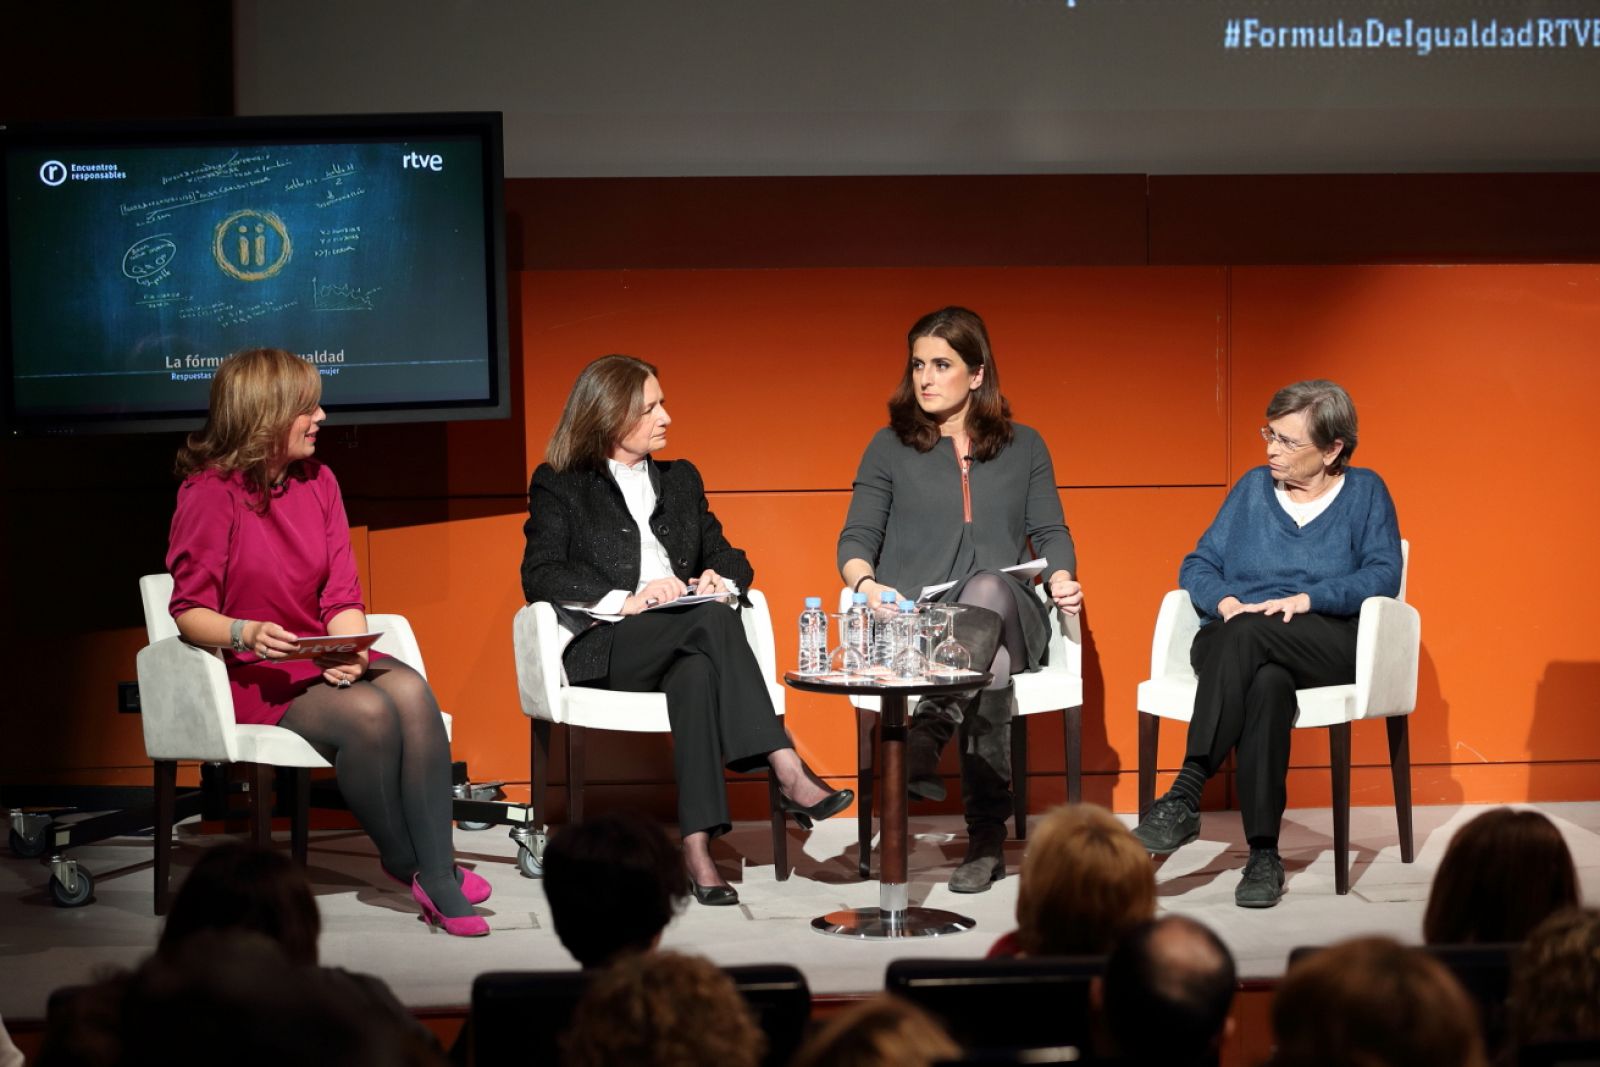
(322, 644)
(1022, 570)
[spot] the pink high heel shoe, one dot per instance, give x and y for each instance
(474, 887)
(466, 926)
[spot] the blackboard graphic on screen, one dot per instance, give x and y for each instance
(139, 259)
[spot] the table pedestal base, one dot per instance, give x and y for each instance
(876, 924)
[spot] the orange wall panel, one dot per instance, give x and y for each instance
(795, 367)
(1475, 387)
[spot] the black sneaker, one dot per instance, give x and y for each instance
(1169, 825)
(1262, 884)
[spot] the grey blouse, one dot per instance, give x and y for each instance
(905, 513)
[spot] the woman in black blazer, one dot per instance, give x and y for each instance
(614, 538)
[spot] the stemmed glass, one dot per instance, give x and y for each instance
(847, 658)
(950, 656)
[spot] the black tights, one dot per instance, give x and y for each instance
(392, 759)
(986, 589)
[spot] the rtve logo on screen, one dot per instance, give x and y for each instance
(418, 161)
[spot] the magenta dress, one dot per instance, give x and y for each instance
(292, 566)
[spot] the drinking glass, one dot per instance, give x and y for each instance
(950, 656)
(847, 658)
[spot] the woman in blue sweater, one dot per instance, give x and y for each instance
(1278, 582)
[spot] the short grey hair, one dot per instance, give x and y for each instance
(1330, 413)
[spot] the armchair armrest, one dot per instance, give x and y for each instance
(398, 640)
(1176, 625)
(757, 621)
(538, 638)
(187, 709)
(1388, 646)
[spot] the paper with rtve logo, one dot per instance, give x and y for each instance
(327, 644)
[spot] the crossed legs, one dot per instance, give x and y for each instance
(392, 759)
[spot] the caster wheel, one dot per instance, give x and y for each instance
(529, 864)
(478, 792)
(30, 847)
(80, 894)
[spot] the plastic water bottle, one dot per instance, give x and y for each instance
(813, 638)
(883, 631)
(858, 625)
(906, 659)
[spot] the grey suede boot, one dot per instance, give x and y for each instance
(935, 719)
(985, 789)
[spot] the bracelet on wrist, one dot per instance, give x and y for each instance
(857, 587)
(236, 635)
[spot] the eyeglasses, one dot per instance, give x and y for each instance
(1285, 443)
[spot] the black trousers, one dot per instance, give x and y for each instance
(1249, 668)
(717, 701)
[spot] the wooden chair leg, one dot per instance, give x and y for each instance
(866, 765)
(1339, 760)
(260, 778)
(299, 813)
(1072, 741)
(780, 834)
(539, 763)
(1019, 775)
(166, 787)
(1149, 743)
(575, 773)
(1400, 770)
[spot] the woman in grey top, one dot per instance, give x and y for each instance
(953, 490)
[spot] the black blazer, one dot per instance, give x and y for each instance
(582, 543)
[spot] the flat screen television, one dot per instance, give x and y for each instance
(138, 255)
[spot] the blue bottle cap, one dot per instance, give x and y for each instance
(813, 602)
(907, 607)
(887, 596)
(859, 598)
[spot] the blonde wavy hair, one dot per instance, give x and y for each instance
(1086, 881)
(255, 397)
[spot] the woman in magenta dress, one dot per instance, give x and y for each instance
(259, 553)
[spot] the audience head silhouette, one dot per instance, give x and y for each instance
(239, 886)
(663, 1009)
(1166, 993)
(1376, 1003)
(883, 1031)
(613, 882)
(1085, 882)
(1501, 875)
(1555, 981)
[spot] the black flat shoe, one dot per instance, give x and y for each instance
(715, 896)
(828, 806)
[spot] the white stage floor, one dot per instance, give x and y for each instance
(370, 925)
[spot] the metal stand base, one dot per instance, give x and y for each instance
(876, 924)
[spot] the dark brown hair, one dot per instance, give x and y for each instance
(604, 402)
(1374, 1003)
(1330, 414)
(255, 397)
(238, 886)
(1502, 874)
(1555, 980)
(663, 1009)
(988, 413)
(613, 882)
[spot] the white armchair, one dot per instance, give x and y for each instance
(1057, 686)
(187, 712)
(1388, 645)
(548, 700)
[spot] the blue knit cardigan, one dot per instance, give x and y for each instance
(1254, 551)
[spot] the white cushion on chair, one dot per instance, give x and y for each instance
(1388, 642)
(538, 639)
